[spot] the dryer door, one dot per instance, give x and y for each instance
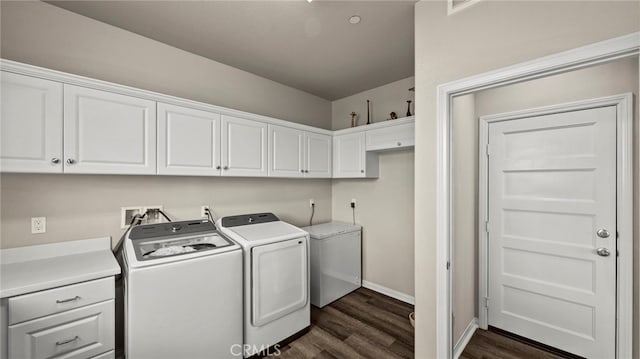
(279, 278)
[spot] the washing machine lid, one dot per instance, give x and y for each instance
(272, 230)
(330, 229)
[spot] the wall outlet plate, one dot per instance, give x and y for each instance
(38, 225)
(203, 212)
(312, 202)
(352, 204)
(127, 213)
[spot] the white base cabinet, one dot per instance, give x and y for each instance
(75, 321)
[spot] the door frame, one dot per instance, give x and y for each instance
(624, 191)
(581, 57)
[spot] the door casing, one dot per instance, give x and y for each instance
(581, 57)
(624, 245)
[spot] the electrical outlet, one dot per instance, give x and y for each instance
(38, 225)
(126, 215)
(312, 202)
(353, 203)
(203, 211)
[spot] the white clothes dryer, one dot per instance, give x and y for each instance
(276, 278)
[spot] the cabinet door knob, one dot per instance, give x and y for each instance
(71, 161)
(55, 160)
(217, 167)
(225, 168)
(361, 171)
(399, 143)
(301, 171)
(306, 171)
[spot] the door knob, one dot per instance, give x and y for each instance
(602, 233)
(603, 252)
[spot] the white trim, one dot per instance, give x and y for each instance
(624, 203)
(465, 338)
(389, 292)
(375, 125)
(454, 9)
(616, 48)
(67, 78)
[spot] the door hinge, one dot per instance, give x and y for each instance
(488, 149)
(486, 302)
(486, 226)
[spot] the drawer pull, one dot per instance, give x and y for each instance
(68, 341)
(68, 300)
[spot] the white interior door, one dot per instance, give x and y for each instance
(552, 193)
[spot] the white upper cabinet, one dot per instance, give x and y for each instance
(30, 124)
(188, 141)
(391, 137)
(318, 161)
(106, 132)
(286, 152)
(244, 147)
(297, 153)
(349, 155)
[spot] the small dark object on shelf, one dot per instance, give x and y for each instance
(393, 116)
(408, 108)
(353, 119)
(368, 116)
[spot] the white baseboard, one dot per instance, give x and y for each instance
(465, 338)
(389, 292)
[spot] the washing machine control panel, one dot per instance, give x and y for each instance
(246, 219)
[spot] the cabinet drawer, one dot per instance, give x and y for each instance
(79, 333)
(39, 304)
(387, 138)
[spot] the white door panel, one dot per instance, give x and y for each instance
(279, 280)
(349, 155)
(31, 124)
(244, 147)
(106, 132)
(188, 141)
(318, 155)
(552, 185)
(286, 152)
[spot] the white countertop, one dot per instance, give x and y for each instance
(34, 268)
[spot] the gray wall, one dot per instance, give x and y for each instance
(485, 36)
(79, 206)
(384, 205)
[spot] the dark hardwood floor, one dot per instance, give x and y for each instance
(363, 324)
(490, 345)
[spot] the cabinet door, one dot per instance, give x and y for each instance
(286, 148)
(244, 147)
(349, 155)
(318, 155)
(188, 141)
(31, 124)
(390, 138)
(108, 133)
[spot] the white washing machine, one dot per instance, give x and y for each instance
(276, 278)
(183, 292)
(336, 261)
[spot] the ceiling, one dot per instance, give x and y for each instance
(308, 46)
